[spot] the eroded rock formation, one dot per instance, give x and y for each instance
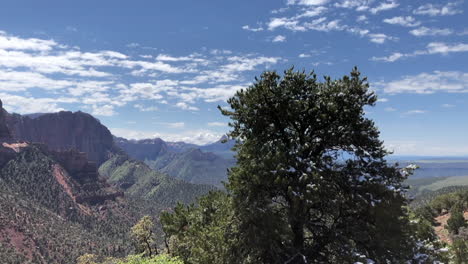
(64, 131)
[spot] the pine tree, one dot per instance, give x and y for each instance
(456, 220)
(142, 233)
(312, 183)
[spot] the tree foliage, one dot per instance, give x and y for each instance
(312, 183)
(199, 233)
(142, 233)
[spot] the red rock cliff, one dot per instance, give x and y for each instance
(63, 131)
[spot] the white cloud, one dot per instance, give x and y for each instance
(380, 38)
(307, 2)
(216, 124)
(415, 112)
(16, 43)
(21, 81)
(439, 10)
(440, 47)
(361, 18)
(199, 137)
(303, 55)
(384, 6)
(431, 48)
(427, 83)
(425, 31)
(390, 109)
(406, 21)
(145, 108)
(391, 58)
(94, 79)
(192, 57)
(312, 12)
(28, 105)
(279, 38)
(103, 110)
(355, 4)
(448, 105)
(185, 106)
(248, 28)
(382, 100)
(288, 23)
(172, 124)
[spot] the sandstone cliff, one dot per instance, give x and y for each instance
(63, 131)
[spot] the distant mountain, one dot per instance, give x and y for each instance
(194, 166)
(188, 162)
(180, 146)
(143, 149)
(139, 181)
(222, 147)
(63, 131)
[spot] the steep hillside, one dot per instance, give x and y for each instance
(53, 210)
(181, 160)
(222, 147)
(141, 182)
(194, 166)
(65, 130)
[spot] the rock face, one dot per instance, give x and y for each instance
(64, 131)
(4, 131)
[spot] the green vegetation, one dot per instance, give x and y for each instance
(133, 259)
(456, 203)
(141, 182)
(449, 181)
(198, 234)
(40, 223)
(142, 234)
(194, 166)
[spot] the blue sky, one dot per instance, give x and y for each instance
(160, 68)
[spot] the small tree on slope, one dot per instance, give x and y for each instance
(312, 183)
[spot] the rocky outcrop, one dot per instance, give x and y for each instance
(4, 131)
(64, 131)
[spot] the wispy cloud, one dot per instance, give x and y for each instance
(216, 124)
(94, 79)
(406, 21)
(431, 48)
(253, 29)
(415, 112)
(425, 31)
(384, 6)
(448, 105)
(145, 108)
(279, 38)
(199, 137)
(451, 8)
(427, 83)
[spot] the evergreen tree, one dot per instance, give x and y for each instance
(142, 233)
(456, 220)
(312, 183)
(199, 234)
